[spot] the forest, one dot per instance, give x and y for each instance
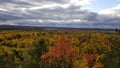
(59, 49)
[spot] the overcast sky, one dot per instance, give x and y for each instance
(61, 13)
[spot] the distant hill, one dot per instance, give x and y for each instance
(16, 27)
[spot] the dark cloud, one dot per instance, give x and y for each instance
(35, 12)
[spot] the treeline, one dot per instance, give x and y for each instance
(59, 49)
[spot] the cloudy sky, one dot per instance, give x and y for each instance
(61, 13)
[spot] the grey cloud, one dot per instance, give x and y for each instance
(28, 3)
(72, 16)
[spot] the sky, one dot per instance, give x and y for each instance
(61, 13)
(98, 5)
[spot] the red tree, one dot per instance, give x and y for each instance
(63, 52)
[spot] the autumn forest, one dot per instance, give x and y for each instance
(59, 49)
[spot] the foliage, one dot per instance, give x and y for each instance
(62, 55)
(59, 49)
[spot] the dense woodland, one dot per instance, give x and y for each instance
(59, 49)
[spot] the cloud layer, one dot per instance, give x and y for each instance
(57, 13)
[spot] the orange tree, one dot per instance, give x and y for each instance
(62, 55)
